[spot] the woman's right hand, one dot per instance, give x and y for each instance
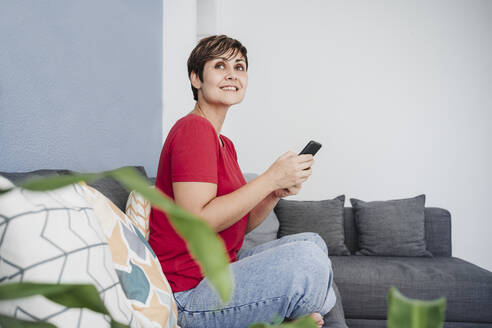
(290, 169)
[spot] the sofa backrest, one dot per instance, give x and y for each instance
(108, 186)
(437, 231)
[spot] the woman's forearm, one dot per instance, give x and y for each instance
(261, 211)
(223, 211)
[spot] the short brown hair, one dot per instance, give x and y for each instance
(212, 47)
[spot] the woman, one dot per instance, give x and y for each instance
(198, 168)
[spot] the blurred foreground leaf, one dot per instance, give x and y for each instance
(404, 312)
(69, 295)
(303, 322)
(58, 181)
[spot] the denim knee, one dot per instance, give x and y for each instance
(316, 239)
(290, 280)
(311, 276)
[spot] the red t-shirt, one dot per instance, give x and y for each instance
(192, 152)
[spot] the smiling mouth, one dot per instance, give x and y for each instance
(229, 88)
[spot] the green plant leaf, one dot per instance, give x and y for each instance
(58, 181)
(18, 323)
(260, 325)
(404, 312)
(302, 322)
(69, 295)
(203, 243)
(116, 324)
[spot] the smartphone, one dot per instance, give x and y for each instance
(311, 148)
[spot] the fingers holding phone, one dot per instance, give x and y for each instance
(311, 148)
(306, 159)
(291, 169)
(286, 171)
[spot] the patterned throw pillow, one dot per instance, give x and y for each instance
(137, 266)
(55, 237)
(138, 211)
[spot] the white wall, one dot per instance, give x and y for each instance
(179, 33)
(398, 93)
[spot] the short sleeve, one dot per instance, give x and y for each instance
(233, 149)
(195, 153)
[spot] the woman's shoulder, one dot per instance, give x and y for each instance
(192, 123)
(192, 129)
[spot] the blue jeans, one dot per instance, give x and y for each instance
(288, 278)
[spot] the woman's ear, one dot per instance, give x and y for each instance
(195, 80)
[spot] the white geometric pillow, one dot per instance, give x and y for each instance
(55, 237)
(138, 211)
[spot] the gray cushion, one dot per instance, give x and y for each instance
(391, 228)
(112, 189)
(437, 231)
(351, 237)
(364, 282)
(265, 231)
(324, 217)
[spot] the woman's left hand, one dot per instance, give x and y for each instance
(294, 190)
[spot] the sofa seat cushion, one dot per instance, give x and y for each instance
(364, 282)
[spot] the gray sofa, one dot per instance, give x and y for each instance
(362, 282)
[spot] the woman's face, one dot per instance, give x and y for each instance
(224, 80)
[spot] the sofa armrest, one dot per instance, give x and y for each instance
(438, 231)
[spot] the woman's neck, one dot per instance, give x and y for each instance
(215, 115)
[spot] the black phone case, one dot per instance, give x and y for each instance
(311, 148)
